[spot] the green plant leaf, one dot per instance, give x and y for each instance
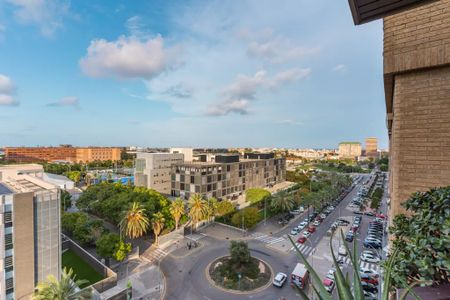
(342, 286)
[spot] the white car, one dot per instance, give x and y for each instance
(294, 231)
(330, 274)
(369, 258)
(306, 233)
(369, 272)
(323, 216)
(279, 279)
(369, 295)
(302, 224)
(316, 223)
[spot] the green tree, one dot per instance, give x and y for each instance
(157, 225)
(75, 176)
(64, 289)
(239, 253)
(197, 209)
(256, 195)
(65, 200)
(106, 245)
(122, 250)
(283, 201)
(422, 239)
(212, 208)
(225, 207)
(135, 223)
(177, 210)
(246, 218)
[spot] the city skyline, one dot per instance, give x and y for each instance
(262, 80)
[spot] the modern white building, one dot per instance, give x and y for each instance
(188, 153)
(152, 170)
(30, 231)
(59, 180)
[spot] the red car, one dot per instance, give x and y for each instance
(369, 279)
(311, 229)
(301, 239)
(381, 216)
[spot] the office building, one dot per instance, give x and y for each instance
(416, 61)
(152, 170)
(187, 152)
(63, 153)
(349, 150)
(227, 176)
(372, 147)
(30, 236)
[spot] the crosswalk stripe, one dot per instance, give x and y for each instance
(276, 240)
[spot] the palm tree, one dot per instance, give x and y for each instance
(134, 223)
(64, 289)
(212, 208)
(283, 201)
(198, 209)
(177, 210)
(157, 225)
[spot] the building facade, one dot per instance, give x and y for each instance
(349, 150)
(152, 170)
(187, 152)
(30, 234)
(64, 153)
(371, 147)
(416, 62)
(228, 176)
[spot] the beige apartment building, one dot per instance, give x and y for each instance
(30, 235)
(227, 176)
(63, 153)
(371, 147)
(349, 150)
(152, 170)
(416, 61)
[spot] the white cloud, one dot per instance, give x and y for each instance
(179, 90)
(238, 106)
(137, 27)
(274, 48)
(340, 68)
(46, 14)
(288, 122)
(7, 90)
(70, 101)
(128, 57)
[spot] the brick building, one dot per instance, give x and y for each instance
(417, 91)
(349, 150)
(371, 147)
(63, 153)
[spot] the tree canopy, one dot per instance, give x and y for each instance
(422, 239)
(256, 195)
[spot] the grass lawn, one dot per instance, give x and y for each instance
(81, 268)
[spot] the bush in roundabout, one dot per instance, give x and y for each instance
(239, 270)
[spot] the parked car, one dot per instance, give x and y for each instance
(295, 212)
(311, 229)
(370, 296)
(349, 237)
(294, 231)
(369, 213)
(279, 279)
(342, 251)
(357, 212)
(381, 216)
(329, 285)
(330, 274)
(372, 245)
(301, 239)
(306, 233)
(369, 258)
(301, 226)
(369, 279)
(316, 223)
(369, 287)
(369, 272)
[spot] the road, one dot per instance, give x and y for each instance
(186, 278)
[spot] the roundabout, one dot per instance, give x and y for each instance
(189, 277)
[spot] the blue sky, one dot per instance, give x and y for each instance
(293, 73)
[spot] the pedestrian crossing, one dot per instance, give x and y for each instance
(371, 266)
(266, 238)
(155, 254)
(304, 249)
(195, 236)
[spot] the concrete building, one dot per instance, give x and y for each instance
(152, 170)
(227, 176)
(187, 152)
(371, 147)
(63, 153)
(416, 59)
(30, 235)
(60, 181)
(349, 150)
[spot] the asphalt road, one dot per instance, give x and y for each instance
(186, 278)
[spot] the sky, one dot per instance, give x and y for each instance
(291, 73)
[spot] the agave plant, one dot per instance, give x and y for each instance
(343, 283)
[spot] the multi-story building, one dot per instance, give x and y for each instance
(371, 147)
(349, 150)
(30, 235)
(416, 59)
(63, 153)
(227, 176)
(152, 170)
